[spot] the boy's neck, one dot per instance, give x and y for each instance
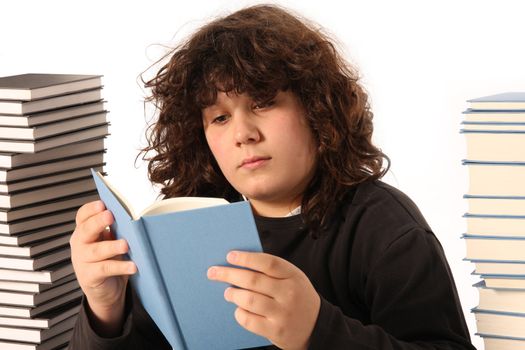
(274, 211)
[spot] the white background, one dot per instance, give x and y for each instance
(418, 60)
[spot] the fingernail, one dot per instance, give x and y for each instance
(131, 268)
(231, 257)
(212, 272)
(227, 294)
(100, 205)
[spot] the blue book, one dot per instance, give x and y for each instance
(501, 102)
(173, 243)
(501, 325)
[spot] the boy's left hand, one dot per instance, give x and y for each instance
(275, 300)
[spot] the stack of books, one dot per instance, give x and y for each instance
(494, 128)
(52, 130)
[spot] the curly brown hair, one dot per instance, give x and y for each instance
(259, 51)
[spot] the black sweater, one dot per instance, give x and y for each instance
(381, 274)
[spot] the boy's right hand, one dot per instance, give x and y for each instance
(100, 270)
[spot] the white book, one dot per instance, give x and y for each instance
(495, 146)
(36, 222)
(33, 287)
(51, 129)
(495, 225)
(33, 86)
(69, 202)
(30, 146)
(49, 344)
(485, 205)
(503, 101)
(503, 324)
(37, 336)
(492, 343)
(499, 267)
(51, 167)
(35, 248)
(34, 119)
(46, 193)
(500, 300)
(495, 248)
(494, 116)
(504, 282)
(50, 275)
(38, 234)
(12, 160)
(44, 320)
(496, 179)
(35, 299)
(29, 312)
(493, 127)
(26, 107)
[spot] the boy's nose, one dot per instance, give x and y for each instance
(246, 130)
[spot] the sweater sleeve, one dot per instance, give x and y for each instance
(411, 298)
(139, 330)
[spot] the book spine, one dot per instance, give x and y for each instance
(152, 281)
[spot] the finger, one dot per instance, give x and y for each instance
(257, 324)
(103, 250)
(107, 234)
(88, 210)
(268, 264)
(108, 268)
(254, 302)
(246, 279)
(92, 229)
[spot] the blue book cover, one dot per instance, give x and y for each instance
(503, 97)
(507, 101)
(173, 251)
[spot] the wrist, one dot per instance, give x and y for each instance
(107, 321)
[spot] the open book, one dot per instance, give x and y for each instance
(173, 243)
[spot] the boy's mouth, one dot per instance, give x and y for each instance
(253, 162)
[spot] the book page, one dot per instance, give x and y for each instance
(166, 205)
(125, 204)
(180, 204)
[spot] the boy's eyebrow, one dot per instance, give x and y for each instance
(212, 106)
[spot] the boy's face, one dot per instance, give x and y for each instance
(267, 152)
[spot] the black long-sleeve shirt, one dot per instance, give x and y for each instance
(381, 274)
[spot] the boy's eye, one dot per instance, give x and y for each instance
(220, 119)
(263, 105)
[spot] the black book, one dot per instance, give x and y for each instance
(40, 181)
(36, 299)
(32, 171)
(35, 222)
(53, 128)
(37, 248)
(37, 235)
(26, 107)
(54, 115)
(52, 343)
(33, 86)
(49, 275)
(73, 201)
(43, 194)
(37, 262)
(14, 160)
(33, 287)
(37, 336)
(46, 319)
(32, 146)
(29, 312)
